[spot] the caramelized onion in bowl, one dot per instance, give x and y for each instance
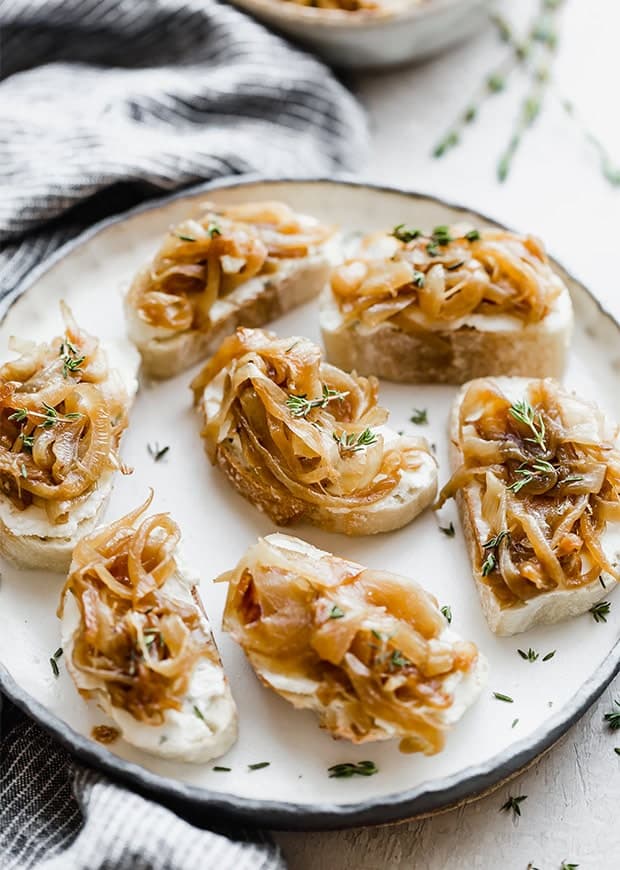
(368, 651)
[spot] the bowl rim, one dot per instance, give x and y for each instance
(364, 19)
(208, 806)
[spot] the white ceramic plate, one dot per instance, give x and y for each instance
(402, 31)
(217, 524)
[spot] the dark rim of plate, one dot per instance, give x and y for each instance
(204, 806)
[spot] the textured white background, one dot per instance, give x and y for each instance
(557, 191)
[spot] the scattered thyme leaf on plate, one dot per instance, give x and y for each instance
(449, 531)
(259, 765)
(419, 416)
(600, 611)
(157, 452)
(530, 656)
(346, 770)
(505, 698)
(447, 612)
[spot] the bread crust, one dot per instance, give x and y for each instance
(272, 296)
(543, 609)
(446, 356)
(267, 494)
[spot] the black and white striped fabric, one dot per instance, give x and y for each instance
(104, 103)
(55, 815)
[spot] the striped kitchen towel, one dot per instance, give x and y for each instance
(104, 103)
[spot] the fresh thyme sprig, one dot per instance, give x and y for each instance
(348, 769)
(492, 545)
(613, 717)
(71, 358)
(49, 418)
(600, 611)
(300, 406)
(524, 413)
(530, 656)
(352, 443)
(513, 803)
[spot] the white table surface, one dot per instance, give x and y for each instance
(556, 191)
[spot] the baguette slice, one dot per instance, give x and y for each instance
(547, 607)
(205, 726)
(416, 484)
(415, 343)
(27, 537)
(254, 303)
(283, 283)
(332, 636)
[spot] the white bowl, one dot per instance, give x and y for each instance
(403, 31)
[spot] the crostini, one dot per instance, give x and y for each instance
(239, 265)
(137, 641)
(304, 441)
(446, 307)
(370, 652)
(63, 409)
(537, 481)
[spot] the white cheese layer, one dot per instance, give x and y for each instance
(124, 361)
(205, 727)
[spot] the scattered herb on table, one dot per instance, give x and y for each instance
(548, 656)
(514, 723)
(419, 416)
(613, 717)
(259, 765)
(449, 531)
(514, 804)
(222, 769)
(505, 698)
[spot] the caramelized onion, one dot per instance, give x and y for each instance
(204, 259)
(60, 422)
(423, 282)
(140, 644)
(363, 648)
(548, 473)
(247, 388)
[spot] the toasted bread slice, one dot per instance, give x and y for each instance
(204, 726)
(27, 536)
(235, 265)
(334, 439)
(447, 307)
(255, 303)
(508, 618)
(480, 346)
(342, 658)
(416, 490)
